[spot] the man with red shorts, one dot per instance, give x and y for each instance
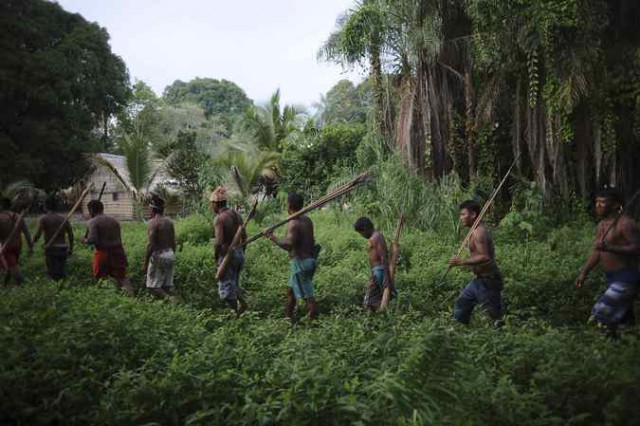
(109, 259)
(9, 261)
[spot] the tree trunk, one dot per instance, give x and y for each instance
(469, 124)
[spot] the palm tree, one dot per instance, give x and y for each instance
(270, 125)
(360, 39)
(251, 170)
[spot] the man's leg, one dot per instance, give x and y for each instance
(290, 306)
(465, 303)
(49, 261)
(491, 301)
(312, 308)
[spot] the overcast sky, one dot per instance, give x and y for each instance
(260, 45)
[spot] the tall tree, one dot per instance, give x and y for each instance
(344, 103)
(220, 98)
(59, 82)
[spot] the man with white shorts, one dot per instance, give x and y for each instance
(159, 262)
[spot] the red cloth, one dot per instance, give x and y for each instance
(110, 262)
(11, 256)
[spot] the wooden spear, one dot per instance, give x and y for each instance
(104, 185)
(12, 234)
(73, 209)
(615, 222)
(485, 208)
(236, 240)
(395, 255)
(344, 189)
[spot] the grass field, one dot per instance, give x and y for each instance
(81, 352)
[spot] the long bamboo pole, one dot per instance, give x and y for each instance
(485, 208)
(71, 212)
(344, 189)
(236, 240)
(395, 255)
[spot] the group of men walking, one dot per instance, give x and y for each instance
(616, 249)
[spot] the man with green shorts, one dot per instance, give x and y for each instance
(300, 243)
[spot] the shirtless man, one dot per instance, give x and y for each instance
(159, 261)
(225, 226)
(303, 252)
(9, 261)
(378, 261)
(56, 251)
(485, 289)
(109, 259)
(617, 246)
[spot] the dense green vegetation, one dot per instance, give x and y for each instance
(83, 353)
(455, 90)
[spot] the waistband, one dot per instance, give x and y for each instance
(626, 275)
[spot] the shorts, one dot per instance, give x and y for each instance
(161, 269)
(111, 262)
(484, 290)
(301, 277)
(616, 304)
(56, 258)
(11, 257)
(228, 285)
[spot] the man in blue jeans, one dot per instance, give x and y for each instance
(485, 289)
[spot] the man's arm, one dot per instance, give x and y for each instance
(592, 261)
(92, 234)
(631, 234)
(219, 248)
(383, 255)
(481, 253)
(69, 230)
(285, 243)
(151, 238)
(172, 231)
(27, 235)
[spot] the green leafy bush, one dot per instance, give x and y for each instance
(83, 353)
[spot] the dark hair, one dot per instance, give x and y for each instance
(472, 206)
(296, 201)
(51, 203)
(612, 194)
(95, 206)
(363, 224)
(5, 203)
(157, 204)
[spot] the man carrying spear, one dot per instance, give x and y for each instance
(617, 247)
(225, 226)
(378, 261)
(57, 248)
(485, 289)
(300, 243)
(11, 226)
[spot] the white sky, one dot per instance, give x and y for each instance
(260, 45)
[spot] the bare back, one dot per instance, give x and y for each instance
(161, 234)
(226, 225)
(378, 253)
(104, 232)
(481, 243)
(300, 233)
(49, 224)
(624, 232)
